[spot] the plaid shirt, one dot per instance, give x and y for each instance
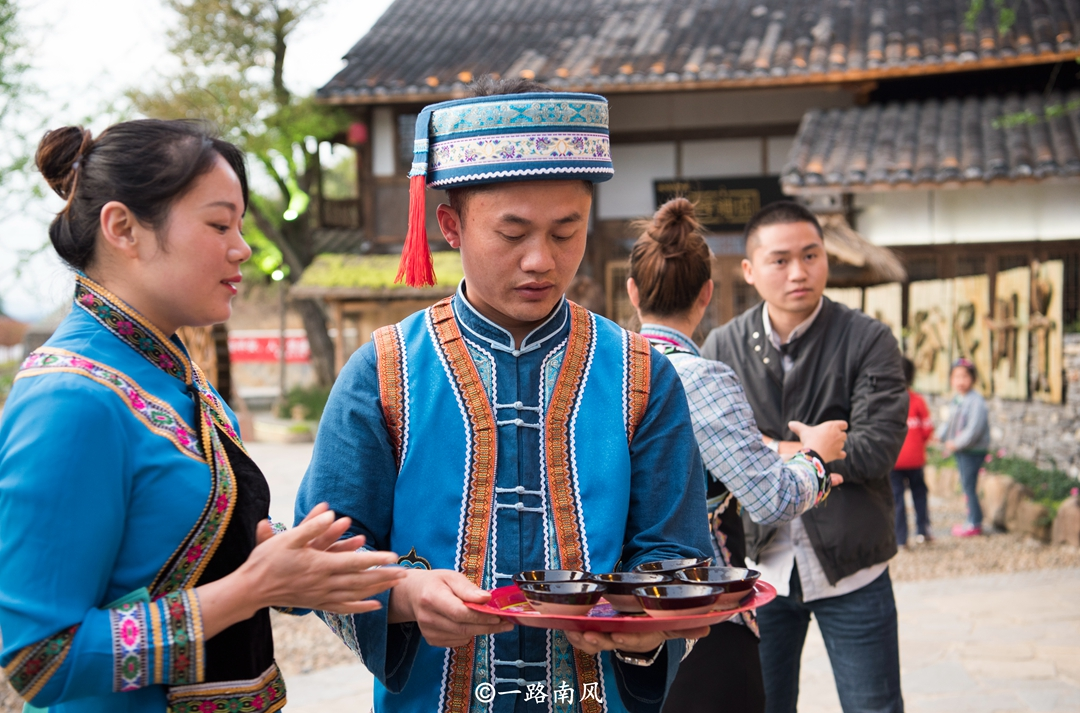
(771, 490)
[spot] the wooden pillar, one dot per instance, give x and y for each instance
(339, 338)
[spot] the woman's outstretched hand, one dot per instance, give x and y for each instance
(307, 567)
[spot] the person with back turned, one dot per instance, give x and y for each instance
(802, 357)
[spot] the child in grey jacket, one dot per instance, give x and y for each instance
(967, 435)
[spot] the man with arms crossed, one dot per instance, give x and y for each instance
(505, 429)
(802, 357)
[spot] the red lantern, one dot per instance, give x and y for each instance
(358, 134)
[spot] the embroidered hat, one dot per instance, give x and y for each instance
(498, 138)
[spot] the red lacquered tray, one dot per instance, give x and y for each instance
(509, 603)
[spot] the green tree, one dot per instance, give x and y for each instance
(232, 55)
(17, 123)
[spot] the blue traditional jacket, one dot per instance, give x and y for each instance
(121, 489)
(445, 441)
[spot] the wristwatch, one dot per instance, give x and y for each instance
(773, 444)
(635, 658)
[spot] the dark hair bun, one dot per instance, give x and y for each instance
(671, 261)
(59, 154)
(145, 164)
(674, 222)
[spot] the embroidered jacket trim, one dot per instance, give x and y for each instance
(154, 413)
(393, 389)
(481, 486)
(264, 694)
(34, 666)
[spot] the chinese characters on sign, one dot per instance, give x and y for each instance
(723, 204)
(262, 345)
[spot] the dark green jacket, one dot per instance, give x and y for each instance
(847, 366)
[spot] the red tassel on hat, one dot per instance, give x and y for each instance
(416, 265)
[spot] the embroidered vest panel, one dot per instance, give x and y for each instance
(441, 424)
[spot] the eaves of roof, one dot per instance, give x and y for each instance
(648, 84)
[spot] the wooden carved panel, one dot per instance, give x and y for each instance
(929, 310)
(970, 333)
(1045, 324)
(885, 303)
(1009, 333)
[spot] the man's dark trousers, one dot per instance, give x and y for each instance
(859, 629)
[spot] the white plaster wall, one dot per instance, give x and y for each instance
(1046, 211)
(778, 148)
(383, 137)
(630, 193)
(642, 112)
(721, 157)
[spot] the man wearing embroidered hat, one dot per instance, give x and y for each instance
(505, 429)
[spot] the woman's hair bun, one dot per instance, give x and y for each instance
(59, 154)
(674, 223)
(671, 261)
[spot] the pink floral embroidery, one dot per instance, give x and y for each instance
(207, 707)
(194, 553)
(222, 502)
(129, 632)
(257, 702)
(82, 363)
(87, 300)
(125, 328)
(166, 361)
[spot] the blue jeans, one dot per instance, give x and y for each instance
(969, 462)
(859, 630)
(915, 480)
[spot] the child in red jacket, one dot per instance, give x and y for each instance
(909, 465)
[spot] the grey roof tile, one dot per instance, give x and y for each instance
(586, 44)
(931, 142)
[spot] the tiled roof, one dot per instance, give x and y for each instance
(428, 49)
(973, 140)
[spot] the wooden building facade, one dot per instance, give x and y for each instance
(914, 126)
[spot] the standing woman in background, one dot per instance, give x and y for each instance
(137, 560)
(670, 286)
(967, 436)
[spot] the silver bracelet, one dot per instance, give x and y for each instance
(690, 643)
(633, 660)
(774, 446)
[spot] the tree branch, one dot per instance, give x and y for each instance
(288, 254)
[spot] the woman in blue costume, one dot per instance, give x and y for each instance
(136, 558)
(670, 286)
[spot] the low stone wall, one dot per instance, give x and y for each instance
(1044, 433)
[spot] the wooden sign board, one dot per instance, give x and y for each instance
(849, 296)
(1009, 333)
(929, 308)
(885, 303)
(1045, 325)
(722, 204)
(970, 333)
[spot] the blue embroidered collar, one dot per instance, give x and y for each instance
(666, 336)
(135, 330)
(498, 338)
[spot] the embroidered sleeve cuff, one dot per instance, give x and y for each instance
(823, 479)
(159, 642)
(35, 665)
